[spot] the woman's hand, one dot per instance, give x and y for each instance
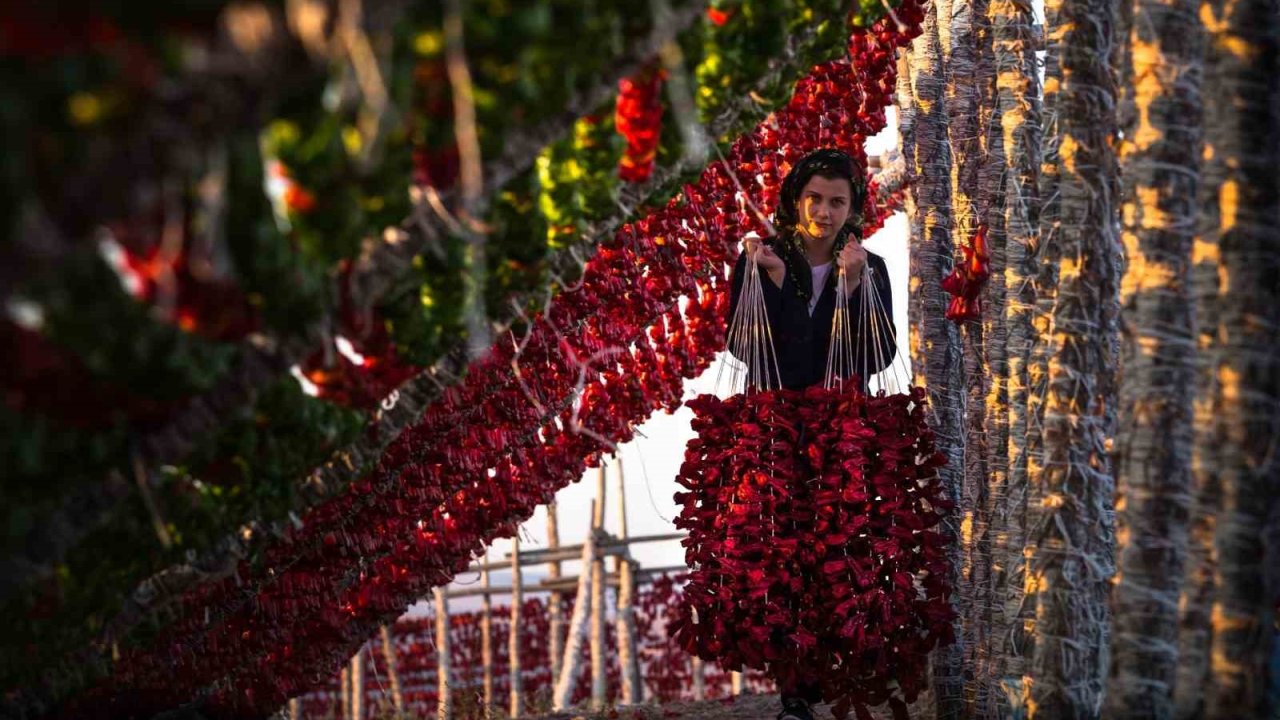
(852, 259)
(763, 255)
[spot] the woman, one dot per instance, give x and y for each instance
(819, 228)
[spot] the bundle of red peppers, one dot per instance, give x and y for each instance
(638, 117)
(526, 421)
(967, 279)
(813, 537)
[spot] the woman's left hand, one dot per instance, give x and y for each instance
(852, 259)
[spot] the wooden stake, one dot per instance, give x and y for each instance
(556, 646)
(569, 668)
(295, 709)
(513, 640)
(622, 502)
(444, 701)
(357, 685)
(735, 680)
(599, 688)
(597, 510)
(393, 674)
(699, 680)
(628, 659)
(486, 641)
(344, 692)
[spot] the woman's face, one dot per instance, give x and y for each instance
(823, 207)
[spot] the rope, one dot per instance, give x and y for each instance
(895, 376)
(874, 329)
(750, 340)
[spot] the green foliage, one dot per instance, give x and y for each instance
(355, 166)
(577, 178)
(250, 470)
(290, 291)
(516, 245)
(47, 625)
(424, 311)
(44, 460)
(126, 353)
(253, 467)
(564, 47)
(597, 148)
(117, 338)
(737, 52)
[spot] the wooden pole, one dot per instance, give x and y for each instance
(699, 680)
(735, 682)
(597, 510)
(295, 709)
(357, 685)
(486, 641)
(569, 668)
(393, 674)
(344, 692)
(556, 645)
(513, 639)
(628, 659)
(599, 689)
(622, 500)
(444, 700)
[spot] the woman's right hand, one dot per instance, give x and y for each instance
(763, 255)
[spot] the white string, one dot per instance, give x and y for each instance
(895, 372)
(750, 341)
(870, 296)
(840, 351)
(874, 329)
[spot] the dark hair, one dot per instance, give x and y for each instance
(828, 163)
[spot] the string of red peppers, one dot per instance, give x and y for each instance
(528, 419)
(967, 279)
(638, 117)
(811, 519)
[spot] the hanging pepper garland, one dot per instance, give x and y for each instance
(806, 554)
(424, 521)
(428, 507)
(741, 515)
(667, 668)
(361, 377)
(967, 279)
(639, 120)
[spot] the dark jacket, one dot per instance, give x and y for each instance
(801, 341)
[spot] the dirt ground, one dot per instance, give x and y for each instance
(742, 707)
